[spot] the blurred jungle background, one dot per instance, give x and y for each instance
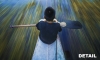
(19, 43)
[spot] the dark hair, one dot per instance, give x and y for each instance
(49, 14)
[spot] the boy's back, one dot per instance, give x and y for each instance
(48, 31)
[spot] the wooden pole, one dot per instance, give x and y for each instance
(29, 25)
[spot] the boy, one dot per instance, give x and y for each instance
(49, 28)
(46, 46)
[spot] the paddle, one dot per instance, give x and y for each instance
(67, 24)
(73, 24)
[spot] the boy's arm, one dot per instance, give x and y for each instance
(62, 24)
(37, 25)
(42, 20)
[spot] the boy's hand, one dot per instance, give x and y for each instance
(63, 24)
(55, 20)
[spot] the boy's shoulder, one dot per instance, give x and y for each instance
(43, 21)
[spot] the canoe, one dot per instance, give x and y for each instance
(52, 51)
